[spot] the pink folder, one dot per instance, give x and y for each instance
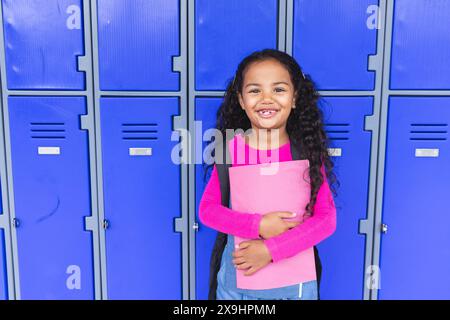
(268, 187)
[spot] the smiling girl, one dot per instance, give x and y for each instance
(271, 96)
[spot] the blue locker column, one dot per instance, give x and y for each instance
(50, 166)
(415, 250)
(332, 41)
(137, 43)
(43, 40)
(225, 32)
(3, 274)
(343, 254)
(420, 45)
(142, 197)
(205, 111)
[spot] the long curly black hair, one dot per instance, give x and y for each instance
(304, 125)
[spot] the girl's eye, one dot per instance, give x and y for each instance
(279, 89)
(254, 91)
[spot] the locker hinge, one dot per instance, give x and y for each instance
(89, 223)
(177, 64)
(83, 63)
(195, 227)
(364, 227)
(373, 62)
(179, 223)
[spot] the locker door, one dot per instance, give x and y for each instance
(225, 32)
(136, 44)
(420, 45)
(332, 41)
(3, 275)
(205, 111)
(52, 197)
(142, 198)
(343, 254)
(415, 251)
(43, 40)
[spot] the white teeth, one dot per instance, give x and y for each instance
(266, 112)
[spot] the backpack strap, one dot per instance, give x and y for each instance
(221, 238)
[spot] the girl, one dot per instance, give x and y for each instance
(270, 93)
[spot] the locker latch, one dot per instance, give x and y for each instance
(16, 223)
(384, 228)
(105, 224)
(195, 226)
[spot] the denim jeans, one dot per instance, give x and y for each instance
(308, 291)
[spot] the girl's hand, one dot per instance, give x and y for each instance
(251, 255)
(273, 224)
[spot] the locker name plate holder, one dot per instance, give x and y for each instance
(335, 152)
(49, 150)
(433, 153)
(140, 151)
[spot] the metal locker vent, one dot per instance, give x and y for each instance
(428, 131)
(139, 131)
(47, 130)
(338, 131)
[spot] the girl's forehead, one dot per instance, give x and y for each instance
(267, 70)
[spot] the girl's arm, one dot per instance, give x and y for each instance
(312, 231)
(216, 216)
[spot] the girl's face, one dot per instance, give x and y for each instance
(267, 94)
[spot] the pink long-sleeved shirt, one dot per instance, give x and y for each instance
(246, 224)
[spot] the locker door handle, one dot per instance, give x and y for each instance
(384, 228)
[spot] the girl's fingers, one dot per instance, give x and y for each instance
(243, 266)
(292, 224)
(238, 260)
(250, 271)
(243, 245)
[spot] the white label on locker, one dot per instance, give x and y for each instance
(427, 153)
(335, 152)
(140, 151)
(49, 150)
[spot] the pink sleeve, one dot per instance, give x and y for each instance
(315, 229)
(216, 216)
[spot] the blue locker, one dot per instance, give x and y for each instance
(142, 190)
(52, 197)
(136, 43)
(415, 251)
(3, 275)
(43, 40)
(205, 111)
(420, 45)
(225, 32)
(332, 41)
(343, 253)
